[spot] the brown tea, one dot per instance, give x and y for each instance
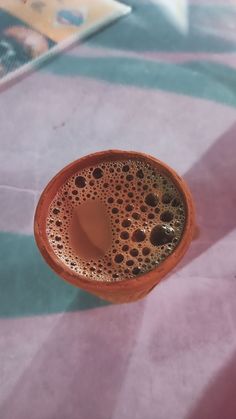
(116, 220)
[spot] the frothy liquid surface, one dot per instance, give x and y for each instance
(116, 220)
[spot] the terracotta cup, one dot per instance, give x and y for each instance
(126, 290)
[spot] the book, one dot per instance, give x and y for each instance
(33, 30)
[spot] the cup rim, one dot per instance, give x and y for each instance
(146, 278)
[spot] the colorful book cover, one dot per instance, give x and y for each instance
(32, 30)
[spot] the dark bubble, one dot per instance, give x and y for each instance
(175, 202)
(136, 271)
(60, 246)
(120, 201)
(56, 211)
(129, 177)
(134, 252)
(130, 194)
(126, 271)
(124, 235)
(110, 200)
(166, 216)
(58, 223)
(161, 234)
(117, 220)
(125, 248)
(129, 262)
(129, 207)
(111, 170)
(155, 185)
(151, 216)
(166, 198)
(145, 187)
(51, 221)
(115, 276)
(114, 210)
(143, 208)
(136, 216)
(119, 258)
(59, 203)
(70, 197)
(125, 168)
(145, 251)
(74, 192)
(157, 210)
(97, 173)
(140, 174)
(147, 260)
(151, 200)
(138, 236)
(80, 182)
(118, 187)
(91, 182)
(105, 185)
(57, 238)
(126, 223)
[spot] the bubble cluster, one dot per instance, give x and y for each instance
(146, 213)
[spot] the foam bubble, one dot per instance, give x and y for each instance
(138, 235)
(80, 182)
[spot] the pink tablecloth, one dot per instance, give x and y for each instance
(147, 84)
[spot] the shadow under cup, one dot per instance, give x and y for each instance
(128, 288)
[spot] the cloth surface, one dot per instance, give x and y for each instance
(145, 83)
